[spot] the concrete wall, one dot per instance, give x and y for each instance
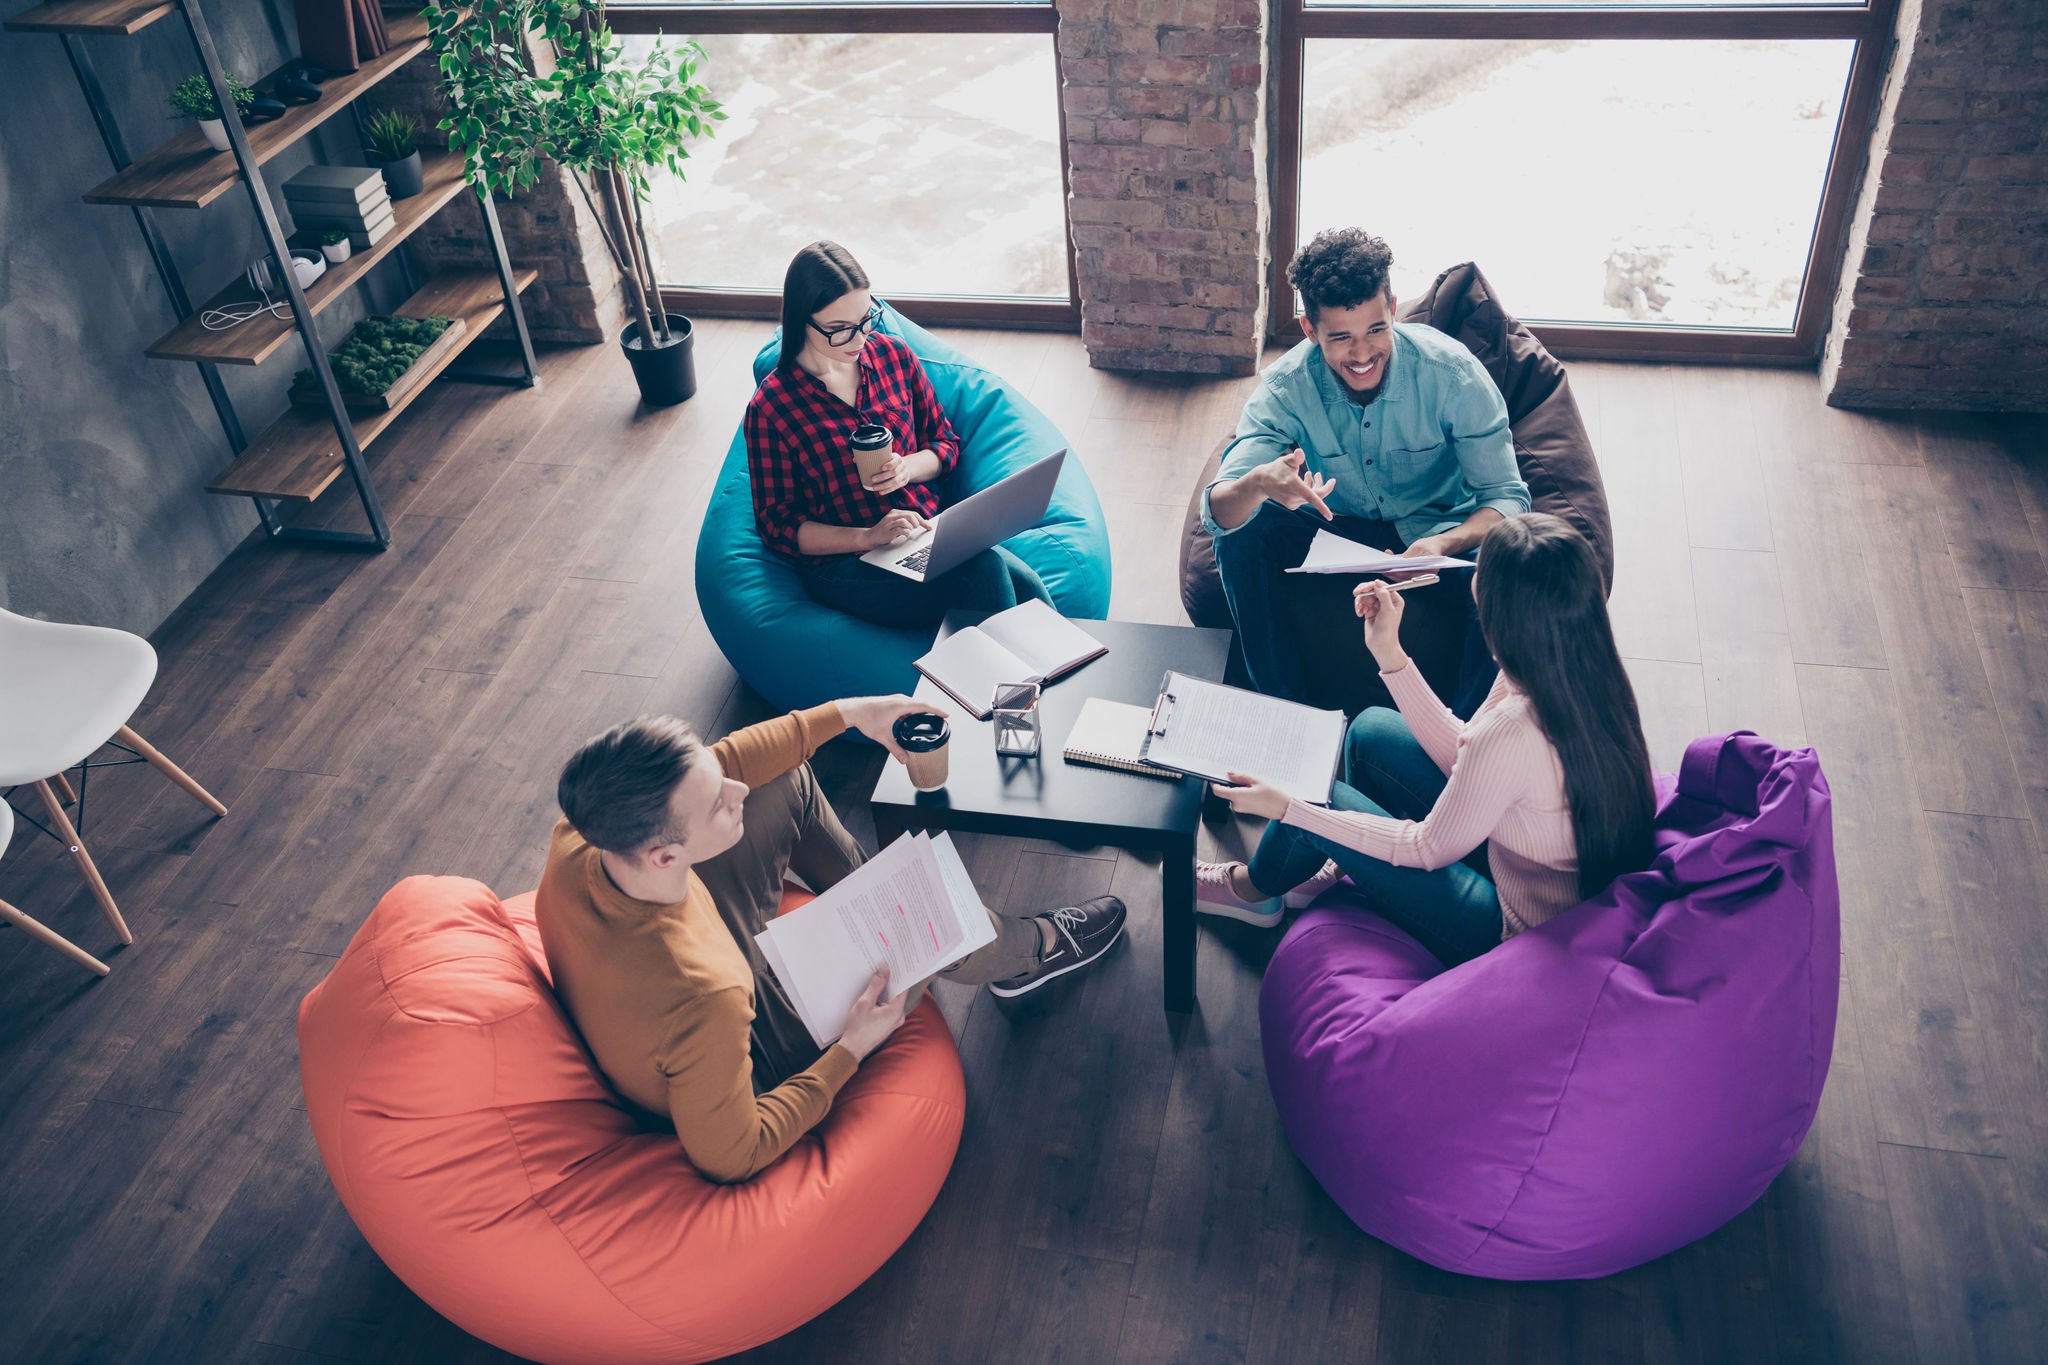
(104, 454)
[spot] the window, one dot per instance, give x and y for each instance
(1655, 180)
(925, 138)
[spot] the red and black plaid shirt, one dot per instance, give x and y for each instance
(798, 435)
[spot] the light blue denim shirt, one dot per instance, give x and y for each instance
(1433, 448)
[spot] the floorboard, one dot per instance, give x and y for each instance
(1870, 584)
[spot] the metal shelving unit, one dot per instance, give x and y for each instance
(300, 455)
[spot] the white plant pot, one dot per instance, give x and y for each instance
(335, 254)
(216, 133)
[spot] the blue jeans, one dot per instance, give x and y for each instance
(1454, 911)
(990, 581)
(1297, 632)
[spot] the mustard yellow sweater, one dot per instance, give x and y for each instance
(665, 997)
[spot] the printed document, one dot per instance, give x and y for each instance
(1331, 553)
(1212, 730)
(912, 906)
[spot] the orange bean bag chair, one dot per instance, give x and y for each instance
(474, 1142)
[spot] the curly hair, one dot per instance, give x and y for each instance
(1340, 268)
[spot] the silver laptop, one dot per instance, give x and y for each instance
(973, 524)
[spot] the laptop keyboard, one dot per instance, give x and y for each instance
(917, 561)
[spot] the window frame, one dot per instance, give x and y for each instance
(1870, 25)
(957, 310)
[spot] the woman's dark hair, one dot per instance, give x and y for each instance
(1543, 608)
(1340, 268)
(817, 276)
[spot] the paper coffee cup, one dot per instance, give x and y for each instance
(923, 737)
(873, 448)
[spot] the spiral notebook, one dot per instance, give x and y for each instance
(1111, 734)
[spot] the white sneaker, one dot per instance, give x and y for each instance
(1215, 896)
(1300, 897)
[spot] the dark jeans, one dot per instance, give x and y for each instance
(1302, 640)
(1454, 911)
(990, 581)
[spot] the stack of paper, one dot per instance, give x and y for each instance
(912, 906)
(1331, 553)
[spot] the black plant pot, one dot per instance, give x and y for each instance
(402, 178)
(667, 375)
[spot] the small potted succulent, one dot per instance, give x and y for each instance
(193, 99)
(334, 246)
(393, 146)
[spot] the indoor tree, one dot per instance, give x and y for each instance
(529, 80)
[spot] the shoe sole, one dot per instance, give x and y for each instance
(1264, 919)
(1035, 982)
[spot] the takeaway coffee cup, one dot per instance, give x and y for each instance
(873, 448)
(923, 735)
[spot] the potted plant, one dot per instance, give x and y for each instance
(334, 246)
(193, 98)
(392, 141)
(608, 122)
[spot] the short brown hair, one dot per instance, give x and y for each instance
(616, 788)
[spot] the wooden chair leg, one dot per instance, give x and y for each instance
(63, 786)
(170, 770)
(69, 836)
(44, 934)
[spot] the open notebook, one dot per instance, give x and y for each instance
(1028, 643)
(912, 906)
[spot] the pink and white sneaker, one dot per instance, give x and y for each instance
(1300, 897)
(1214, 895)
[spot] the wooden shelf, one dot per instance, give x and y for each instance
(185, 173)
(255, 341)
(298, 455)
(91, 16)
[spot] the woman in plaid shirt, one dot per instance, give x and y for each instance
(809, 501)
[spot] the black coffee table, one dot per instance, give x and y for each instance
(1050, 798)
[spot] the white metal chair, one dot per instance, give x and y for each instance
(35, 930)
(65, 691)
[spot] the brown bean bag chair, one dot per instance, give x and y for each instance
(1551, 447)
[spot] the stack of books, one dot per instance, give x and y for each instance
(352, 198)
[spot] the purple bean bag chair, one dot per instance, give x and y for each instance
(1599, 1090)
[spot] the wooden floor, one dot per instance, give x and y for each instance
(1877, 588)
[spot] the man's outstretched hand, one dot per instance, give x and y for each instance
(1289, 482)
(876, 718)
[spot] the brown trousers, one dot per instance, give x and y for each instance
(791, 827)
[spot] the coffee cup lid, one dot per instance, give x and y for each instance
(871, 433)
(921, 731)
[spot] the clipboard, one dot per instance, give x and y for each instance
(1295, 747)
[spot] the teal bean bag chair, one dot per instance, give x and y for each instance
(797, 653)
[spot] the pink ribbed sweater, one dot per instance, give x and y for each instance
(1506, 790)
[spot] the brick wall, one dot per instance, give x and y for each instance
(1944, 300)
(1166, 143)
(547, 227)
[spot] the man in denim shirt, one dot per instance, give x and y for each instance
(1390, 434)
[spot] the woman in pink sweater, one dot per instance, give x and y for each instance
(1465, 832)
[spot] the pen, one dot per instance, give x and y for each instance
(1402, 585)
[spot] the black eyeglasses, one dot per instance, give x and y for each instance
(841, 333)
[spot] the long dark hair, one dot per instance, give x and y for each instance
(819, 274)
(1543, 608)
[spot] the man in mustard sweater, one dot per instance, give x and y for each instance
(669, 859)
